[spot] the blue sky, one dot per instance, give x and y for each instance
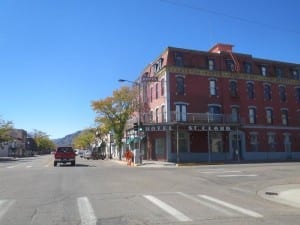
(56, 56)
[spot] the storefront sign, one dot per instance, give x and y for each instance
(149, 79)
(209, 128)
(158, 128)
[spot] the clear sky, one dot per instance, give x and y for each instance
(56, 56)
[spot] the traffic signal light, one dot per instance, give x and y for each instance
(141, 128)
(135, 126)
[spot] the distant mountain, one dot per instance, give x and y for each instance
(67, 140)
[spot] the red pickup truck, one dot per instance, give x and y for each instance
(64, 155)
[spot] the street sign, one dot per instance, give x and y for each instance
(149, 79)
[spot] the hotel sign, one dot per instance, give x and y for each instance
(156, 128)
(209, 128)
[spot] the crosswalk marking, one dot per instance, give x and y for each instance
(167, 208)
(4, 206)
(86, 211)
(231, 206)
(11, 167)
(29, 166)
(207, 204)
(238, 175)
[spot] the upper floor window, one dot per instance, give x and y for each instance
(151, 94)
(156, 90)
(163, 113)
(156, 115)
(162, 87)
(211, 64)
(178, 58)
(252, 115)
(180, 112)
(180, 85)
(247, 67)
(233, 88)
(213, 87)
(284, 117)
(298, 94)
(282, 94)
(230, 65)
(235, 114)
(250, 90)
(214, 113)
(267, 92)
(295, 74)
(269, 116)
(278, 72)
(263, 70)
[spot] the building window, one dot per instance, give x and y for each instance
(298, 94)
(162, 87)
(278, 72)
(252, 115)
(250, 90)
(284, 117)
(282, 94)
(269, 116)
(295, 74)
(151, 94)
(156, 115)
(180, 85)
(287, 142)
(178, 58)
(214, 113)
(213, 87)
(156, 90)
(254, 142)
(263, 71)
(272, 141)
(230, 65)
(235, 114)
(151, 117)
(216, 142)
(267, 92)
(233, 88)
(248, 67)
(163, 113)
(181, 112)
(211, 64)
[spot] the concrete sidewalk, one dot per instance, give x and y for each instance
(288, 194)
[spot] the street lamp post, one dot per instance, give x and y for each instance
(139, 109)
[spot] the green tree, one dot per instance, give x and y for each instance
(5, 126)
(43, 142)
(84, 139)
(113, 112)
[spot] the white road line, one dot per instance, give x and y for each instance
(207, 204)
(11, 167)
(4, 206)
(29, 166)
(167, 208)
(237, 175)
(231, 206)
(86, 211)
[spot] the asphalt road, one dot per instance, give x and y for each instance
(33, 192)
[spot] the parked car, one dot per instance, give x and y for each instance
(81, 153)
(64, 155)
(87, 154)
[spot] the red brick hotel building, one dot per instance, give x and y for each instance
(218, 105)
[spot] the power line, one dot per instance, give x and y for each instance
(245, 20)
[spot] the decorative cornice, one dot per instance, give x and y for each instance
(225, 74)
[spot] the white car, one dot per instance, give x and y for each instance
(87, 154)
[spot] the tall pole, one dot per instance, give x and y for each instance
(208, 138)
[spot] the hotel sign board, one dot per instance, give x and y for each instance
(209, 128)
(197, 128)
(149, 79)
